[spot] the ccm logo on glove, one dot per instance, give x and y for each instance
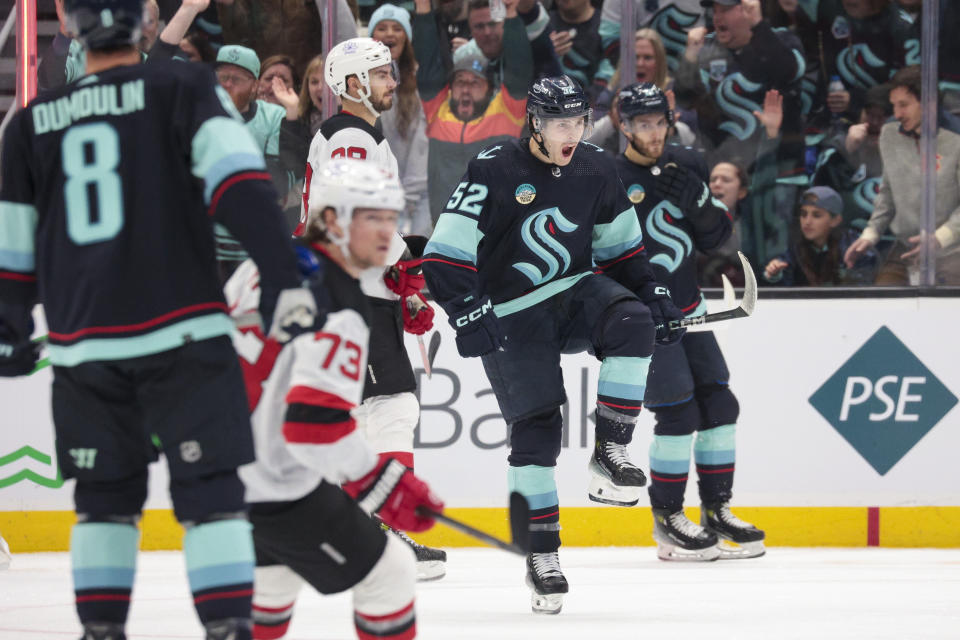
(474, 315)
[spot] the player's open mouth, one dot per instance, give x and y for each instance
(567, 150)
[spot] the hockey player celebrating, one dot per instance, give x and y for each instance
(110, 188)
(360, 71)
(539, 252)
(305, 527)
(687, 388)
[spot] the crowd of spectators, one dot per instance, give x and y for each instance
(808, 111)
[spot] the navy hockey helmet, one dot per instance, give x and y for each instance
(104, 24)
(557, 97)
(641, 98)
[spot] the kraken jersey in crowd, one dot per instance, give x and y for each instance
(110, 188)
(520, 230)
(672, 237)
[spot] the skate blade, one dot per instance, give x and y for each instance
(548, 604)
(674, 553)
(730, 550)
(428, 570)
(603, 490)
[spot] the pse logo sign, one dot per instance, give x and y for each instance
(883, 400)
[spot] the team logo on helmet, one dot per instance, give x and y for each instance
(636, 193)
(525, 193)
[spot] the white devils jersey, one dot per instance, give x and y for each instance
(344, 136)
(301, 393)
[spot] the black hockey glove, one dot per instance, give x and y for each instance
(683, 188)
(657, 298)
(18, 356)
(478, 332)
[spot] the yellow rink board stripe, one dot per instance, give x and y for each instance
(29, 531)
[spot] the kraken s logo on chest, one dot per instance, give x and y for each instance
(738, 98)
(539, 232)
(676, 243)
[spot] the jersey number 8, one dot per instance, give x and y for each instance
(92, 219)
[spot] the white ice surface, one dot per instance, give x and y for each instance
(625, 593)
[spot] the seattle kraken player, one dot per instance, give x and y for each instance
(110, 189)
(539, 252)
(687, 386)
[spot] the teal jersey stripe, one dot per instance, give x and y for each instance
(455, 236)
(671, 448)
(531, 480)
(221, 147)
(670, 466)
(169, 337)
(624, 370)
(616, 238)
(218, 544)
(18, 230)
(103, 578)
(220, 575)
(619, 390)
(104, 551)
(538, 295)
(716, 446)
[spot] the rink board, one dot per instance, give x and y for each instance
(884, 371)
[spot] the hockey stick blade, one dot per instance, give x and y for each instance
(433, 348)
(519, 515)
(427, 366)
(747, 304)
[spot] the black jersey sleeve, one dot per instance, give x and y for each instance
(617, 245)
(18, 221)
(237, 189)
(450, 257)
(711, 221)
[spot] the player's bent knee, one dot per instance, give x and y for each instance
(718, 405)
(210, 497)
(389, 587)
(676, 420)
(117, 501)
(627, 330)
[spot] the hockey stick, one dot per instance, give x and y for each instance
(423, 356)
(434, 347)
(747, 304)
(519, 518)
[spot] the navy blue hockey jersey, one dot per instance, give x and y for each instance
(672, 238)
(520, 230)
(109, 187)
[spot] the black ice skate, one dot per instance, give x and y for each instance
(546, 581)
(613, 478)
(739, 539)
(103, 631)
(680, 539)
(431, 563)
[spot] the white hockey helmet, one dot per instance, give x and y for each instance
(346, 184)
(355, 57)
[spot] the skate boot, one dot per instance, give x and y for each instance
(546, 582)
(229, 629)
(739, 539)
(613, 478)
(431, 563)
(103, 631)
(680, 539)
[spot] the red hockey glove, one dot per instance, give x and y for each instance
(392, 492)
(417, 315)
(405, 278)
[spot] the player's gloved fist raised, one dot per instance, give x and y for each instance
(417, 315)
(663, 311)
(682, 187)
(395, 494)
(478, 332)
(295, 313)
